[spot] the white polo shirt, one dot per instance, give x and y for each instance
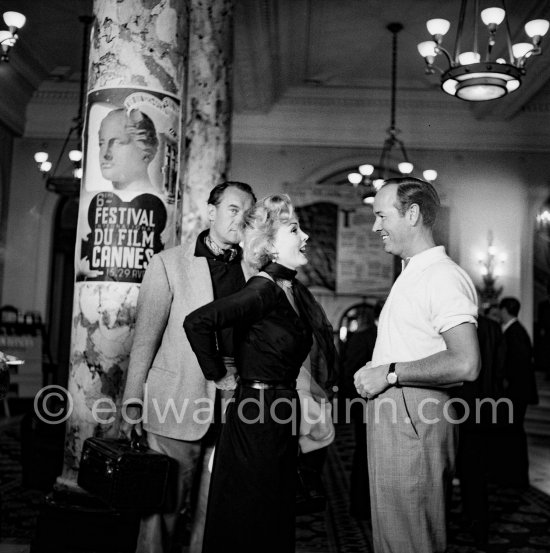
(431, 295)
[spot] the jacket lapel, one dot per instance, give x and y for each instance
(197, 275)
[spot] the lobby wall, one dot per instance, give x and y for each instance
(485, 191)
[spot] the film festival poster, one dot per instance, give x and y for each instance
(130, 186)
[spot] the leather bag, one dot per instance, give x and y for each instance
(125, 475)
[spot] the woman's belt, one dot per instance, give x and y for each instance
(267, 385)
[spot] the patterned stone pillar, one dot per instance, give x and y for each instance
(205, 161)
(129, 193)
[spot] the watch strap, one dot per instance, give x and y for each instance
(391, 376)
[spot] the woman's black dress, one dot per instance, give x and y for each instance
(251, 505)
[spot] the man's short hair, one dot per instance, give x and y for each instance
(217, 192)
(415, 191)
(511, 305)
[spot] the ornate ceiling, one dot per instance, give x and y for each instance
(294, 60)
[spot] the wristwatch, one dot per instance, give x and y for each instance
(391, 377)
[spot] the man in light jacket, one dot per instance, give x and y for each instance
(166, 392)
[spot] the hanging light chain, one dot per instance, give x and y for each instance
(363, 176)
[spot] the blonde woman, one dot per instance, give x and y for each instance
(251, 505)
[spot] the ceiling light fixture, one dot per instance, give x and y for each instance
(469, 77)
(363, 176)
(14, 21)
(64, 184)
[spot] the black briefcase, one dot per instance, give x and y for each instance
(126, 475)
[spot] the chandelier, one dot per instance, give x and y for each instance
(65, 184)
(364, 175)
(475, 75)
(14, 21)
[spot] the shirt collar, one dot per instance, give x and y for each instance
(507, 325)
(423, 259)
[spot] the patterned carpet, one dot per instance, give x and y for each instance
(520, 521)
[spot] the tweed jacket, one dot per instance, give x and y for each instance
(163, 370)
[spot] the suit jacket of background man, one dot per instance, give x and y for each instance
(490, 382)
(518, 368)
(175, 283)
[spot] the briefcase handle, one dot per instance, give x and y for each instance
(137, 442)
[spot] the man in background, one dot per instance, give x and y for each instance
(480, 436)
(520, 387)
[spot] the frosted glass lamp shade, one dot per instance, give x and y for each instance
(14, 19)
(46, 166)
(449, 86)
(75, 156)
(41, 157)
(512, 85)
(378, 183)
(6, 39)
(366, 169)
(405, 167)
(430, 175)
(438, 26)
(521, 49)
(537, 27)
(355, 178)
(493, 16)
(467, 58)
(427, 48)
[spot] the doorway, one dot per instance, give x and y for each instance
(62, 287)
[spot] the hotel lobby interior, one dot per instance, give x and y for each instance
(326, 97)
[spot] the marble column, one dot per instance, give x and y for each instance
(128, 200)
(207, 129)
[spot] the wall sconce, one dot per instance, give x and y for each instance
(490, 268)
(543, 217)
(14, 21)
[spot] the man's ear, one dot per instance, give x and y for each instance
(414, 214)
(211, 213)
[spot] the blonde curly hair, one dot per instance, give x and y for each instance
(260, 225)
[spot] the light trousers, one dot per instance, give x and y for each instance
(411, 451)
(158, 532)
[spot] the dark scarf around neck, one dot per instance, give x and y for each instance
(316, 318)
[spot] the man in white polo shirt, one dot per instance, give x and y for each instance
(426, 343)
